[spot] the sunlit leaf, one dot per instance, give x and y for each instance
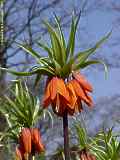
(56, 45)
(46, 48)
(29, 50)
(70, 46)
(82, 56)
(60, 31)
(71, 41)
(18, 73)
(91, 62)
(62, 39)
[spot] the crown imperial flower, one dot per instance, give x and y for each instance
(29, 143)
(67, 95)
(25, 140)
(85, 155)
(37, 146)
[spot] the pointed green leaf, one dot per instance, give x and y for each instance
(66, 70)
(36, 110)
(71, 43)
(81, 134)
(46, 48)
(18, 73)
(82, 56)
(57, 67)
(18, 112)
(77, 20)
(37, 80)
(62, 39)
(29, 50)
(60, 31)
(45, 71)
(46, 61)
(90, 62)
(56, 45)
(39, 70)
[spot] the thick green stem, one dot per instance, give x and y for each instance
(66, 136)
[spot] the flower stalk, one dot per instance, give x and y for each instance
(66, 136)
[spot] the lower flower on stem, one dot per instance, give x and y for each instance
(29, 143)
(85, 155)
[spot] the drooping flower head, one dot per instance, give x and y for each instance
(85, 155)
(37, 146)
(25, 140)
(30, 142)
(56, 94)
(67, 95)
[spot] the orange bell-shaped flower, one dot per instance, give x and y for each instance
(85, 155)
(59, 105)
(82, 81)
(81, 92)
(25, 140)
(56, 94)
(37, 145)
(67, 96)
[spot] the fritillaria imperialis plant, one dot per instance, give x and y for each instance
(29, 143)
(83, 141)
(22, 112)
(106, 145)
(66, 88)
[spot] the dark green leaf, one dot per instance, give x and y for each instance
(37, 80)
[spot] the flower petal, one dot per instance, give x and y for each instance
(25, 140)
(61, 89)
(79, 91)
(36, 141)
(83, 82)
(72, 95)
(59, 105)
(78, 106)
(46, 97)
(90, 103)
(53, 87)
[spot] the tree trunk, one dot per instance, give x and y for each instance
(2, 73)
(2, 49)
